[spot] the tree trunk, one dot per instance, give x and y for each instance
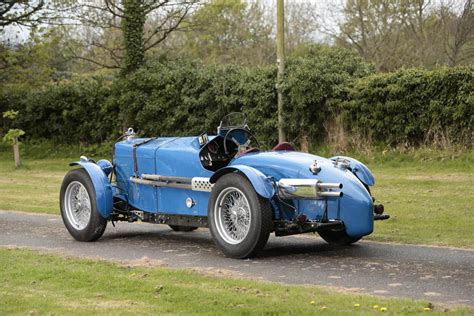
(16, 152)
(304, 142)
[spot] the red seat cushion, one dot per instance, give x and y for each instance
(284, 146)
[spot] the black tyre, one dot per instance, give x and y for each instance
(78, 207)
(338, 237)
(179, 228)
(240, 220)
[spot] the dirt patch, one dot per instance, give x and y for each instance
(456, 177)
(222, 273)
(142, 262)
(99, 302)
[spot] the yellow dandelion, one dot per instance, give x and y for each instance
(375, 306)
(357, 305)
(426, 309)
(323, 307)
(383, 309)
(312, 302)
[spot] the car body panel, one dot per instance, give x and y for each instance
(168, 156)
(359, 169)
(355, 207)
(261, 183)
(179, 157)
(102, 186)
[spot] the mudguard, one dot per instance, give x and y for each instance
(359, 169)
(262, 185)
(103, 189)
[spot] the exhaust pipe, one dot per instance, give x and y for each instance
(307, 189)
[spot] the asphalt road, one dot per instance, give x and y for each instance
(432, 273)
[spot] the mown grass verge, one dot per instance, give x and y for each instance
(33, 283)
(429, 194)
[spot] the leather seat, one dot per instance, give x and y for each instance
(284, 146)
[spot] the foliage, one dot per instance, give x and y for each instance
(10, 114)
(13, 133)
(179, 97)
(415, 106)
(70, 111)
(43, 58)
(183, 97)
(315, 84)
(133, 23)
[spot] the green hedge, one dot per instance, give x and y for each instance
(69, 112)
(414, 106)
(181, 97)
(187, 98)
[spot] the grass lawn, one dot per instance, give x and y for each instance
(428, 205)
(430, 197)
(33, 283)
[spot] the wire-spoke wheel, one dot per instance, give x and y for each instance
(232, 214)
(240, 220)
(78, 207)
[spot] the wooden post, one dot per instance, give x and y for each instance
(16, 152)
(281, 65)
(305, 142)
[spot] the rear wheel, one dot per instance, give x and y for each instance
(179, 228)
(240, 220)
(338, 237)
(78, 207)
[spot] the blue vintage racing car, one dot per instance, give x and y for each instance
(223, 182)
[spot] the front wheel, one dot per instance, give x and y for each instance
(338, 237)
(240, 220)
(78, 207)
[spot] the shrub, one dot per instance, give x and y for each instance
(415, 106)
(178, 97)
(69, 112)
(325, 89)
(314, 87)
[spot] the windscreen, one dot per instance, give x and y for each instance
(232, 120)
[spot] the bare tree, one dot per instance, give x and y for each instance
(459, 30)
(20, 12)
(140, 26)
(373, 28)
(302, 23)
(396, 33)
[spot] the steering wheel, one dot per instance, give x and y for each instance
(229, 134)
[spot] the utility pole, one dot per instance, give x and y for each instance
(281, 65)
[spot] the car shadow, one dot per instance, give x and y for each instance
(277, 247)
(159, 235)
(317, 249)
